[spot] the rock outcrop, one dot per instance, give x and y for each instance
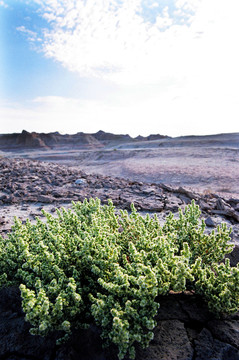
(186, 330)
(32, 140)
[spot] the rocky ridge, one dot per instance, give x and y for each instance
(55, 140)
(185, 331)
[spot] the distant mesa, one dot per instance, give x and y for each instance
(156, 137)
(152, 137)
(106, 137)
(54, 140)
(42, 141)
(29, 140)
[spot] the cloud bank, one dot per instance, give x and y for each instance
(175, 62)
(125, 41)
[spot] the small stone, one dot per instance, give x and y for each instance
(80, 182)
(234, 256)
(45, 199)
(147, 190)
(209, 222)
(188, 193)
(220, 204)
(204, 205)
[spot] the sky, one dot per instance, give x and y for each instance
(134, 67)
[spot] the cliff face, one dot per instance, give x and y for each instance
(22, 140)
(29, 140)
(33, 140)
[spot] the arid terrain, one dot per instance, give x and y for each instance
(158, 174)
(200, 163)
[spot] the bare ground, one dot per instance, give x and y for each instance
(199, 168)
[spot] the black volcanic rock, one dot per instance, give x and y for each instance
(177, 336)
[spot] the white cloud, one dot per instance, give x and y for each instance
(31, 35)
(177, 74)
(113, 40)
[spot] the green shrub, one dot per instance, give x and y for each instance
(90, 264)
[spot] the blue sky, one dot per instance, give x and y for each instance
(138, 67)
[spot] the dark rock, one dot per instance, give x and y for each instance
(15, 337)
(171, 308)
(188, 193)
(182, 333)
(234, 256)
(45, 199)
(225, 331)
(228, 212)
(166, 187)
(170, 343)
(209, 222)
(172, 203)
(2, 220)
(10, 199)
(148, 190)
(152, 205)
(19, 193)
(59, 193)
(220, 204)
(204, 206)
(233, 201)
(195, 308)
(98, 185)
(206, 347)
(185, 199)
(47, 180)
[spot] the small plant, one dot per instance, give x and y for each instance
(89, 264)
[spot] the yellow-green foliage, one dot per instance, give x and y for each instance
(89, 265)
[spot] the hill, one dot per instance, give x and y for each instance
(55, 140)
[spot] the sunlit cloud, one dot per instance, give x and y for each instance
(31, 35)
(113, 40)
(174, 66)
